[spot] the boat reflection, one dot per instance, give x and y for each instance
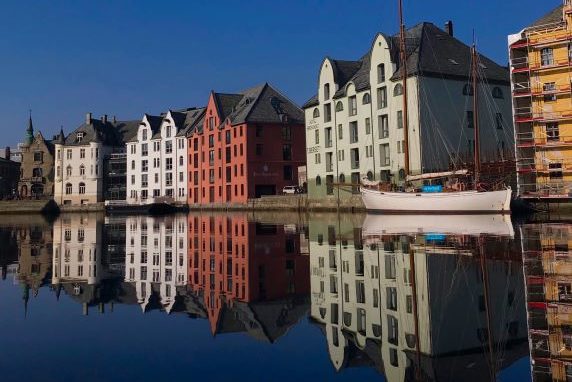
(548, 273)
(418, 306)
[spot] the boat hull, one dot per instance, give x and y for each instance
(440, 202)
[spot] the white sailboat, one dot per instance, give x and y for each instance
(475, 201)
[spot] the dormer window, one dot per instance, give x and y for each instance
(80, 136)
(168, 132)
(144, 135)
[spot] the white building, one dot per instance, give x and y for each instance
(156, 258)
(157, 157)
(364, 294)
(354, 125)
(79, 162)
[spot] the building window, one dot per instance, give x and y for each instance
(549, 90)
(382, 98)
(169, 179)
(366, 100)
(169, 147)
(316, 113)
(327, 91)
(82, 170)
(286, 134)
(329, 163)
(470, 120)
(288, 174)
(69, 154)
(339, 106)
(144, 135)
(352, 101)
(547, 57)
(318, 181)
(555, 170)
(144, 166)
(259, 149)
(317, 158)
(499, 121)
(391, 293)
(82, 188)
(328, 137)
(392, 330)
(353, 132)
(552, 131)
(168, 132)
(68, 171)
(80, 136)
(398, 90)
(497, 93)
(380, 73)
(68, 188)
(400, 119)
(144, 150)
(354, 157)
(317, 136)
(340, 131)
(287, 152)
(82, 153)
(327, 112)
(368, 126)
(383, 126)
(144, 180)
(384, 154)
(468, 90)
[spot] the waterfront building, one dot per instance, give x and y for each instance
(37, 165)
(157, 157)
(548, 271)
(156, 258)
(9, 175)
(413, 302)
(250, 276)
(250, 144)
(81, 158)
(354, 124)
(540, 58)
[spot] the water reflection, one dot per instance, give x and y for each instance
(414, 298)
(548, 272)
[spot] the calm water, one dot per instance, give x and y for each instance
(273, 297)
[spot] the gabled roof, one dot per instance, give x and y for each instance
(108, 133)
(431, 52)
(554, 16)
(193, 120)
(225, 103)
(261, 104)
(155, 124)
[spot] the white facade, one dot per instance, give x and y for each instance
(77, 250)
(156, 257)
(364, 292)
(355, 128)
(79, 172)
(157, 163)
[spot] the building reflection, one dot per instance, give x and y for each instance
(416, 307)
(548, 272)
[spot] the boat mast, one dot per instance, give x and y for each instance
(403, 56)
(477, 145)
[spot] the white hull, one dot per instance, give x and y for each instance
(438, 202)
(377, 225)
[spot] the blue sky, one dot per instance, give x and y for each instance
(126, 57)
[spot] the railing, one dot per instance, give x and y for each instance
(520, 88)
(37, 179)
(538, 89)
(519, 63)
(554, 64)
(541, 138)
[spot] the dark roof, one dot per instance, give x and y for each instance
(260, 104)
(108, 133)
(155, 124)
(554, 16)
(431, 52)
(193, 120)
(225, 103)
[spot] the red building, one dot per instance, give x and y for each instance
(233, 261)
(249, 145)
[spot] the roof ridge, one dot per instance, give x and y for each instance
(255, 102)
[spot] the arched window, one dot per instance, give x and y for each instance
(181, 159)
(369, 175)
(68, 171)
(497, 92)
(339, 106)
(82, 188)
(398, 90)
(316, 113)
(468, 90)
(318, 181)
(68, 188)
(347, 319)
(342, 178)
(82, 170)
(366, 100)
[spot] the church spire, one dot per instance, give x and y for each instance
(30, 130)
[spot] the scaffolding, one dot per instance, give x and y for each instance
(543, 154)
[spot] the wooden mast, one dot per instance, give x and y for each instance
(477, 145)
(403, 59)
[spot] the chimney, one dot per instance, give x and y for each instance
(104, 118)
(88, 119)
(114, 119)
(7, 153)
(449, 28)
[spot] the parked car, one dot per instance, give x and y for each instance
(290, 190)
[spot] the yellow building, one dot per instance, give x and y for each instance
(541, 72)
